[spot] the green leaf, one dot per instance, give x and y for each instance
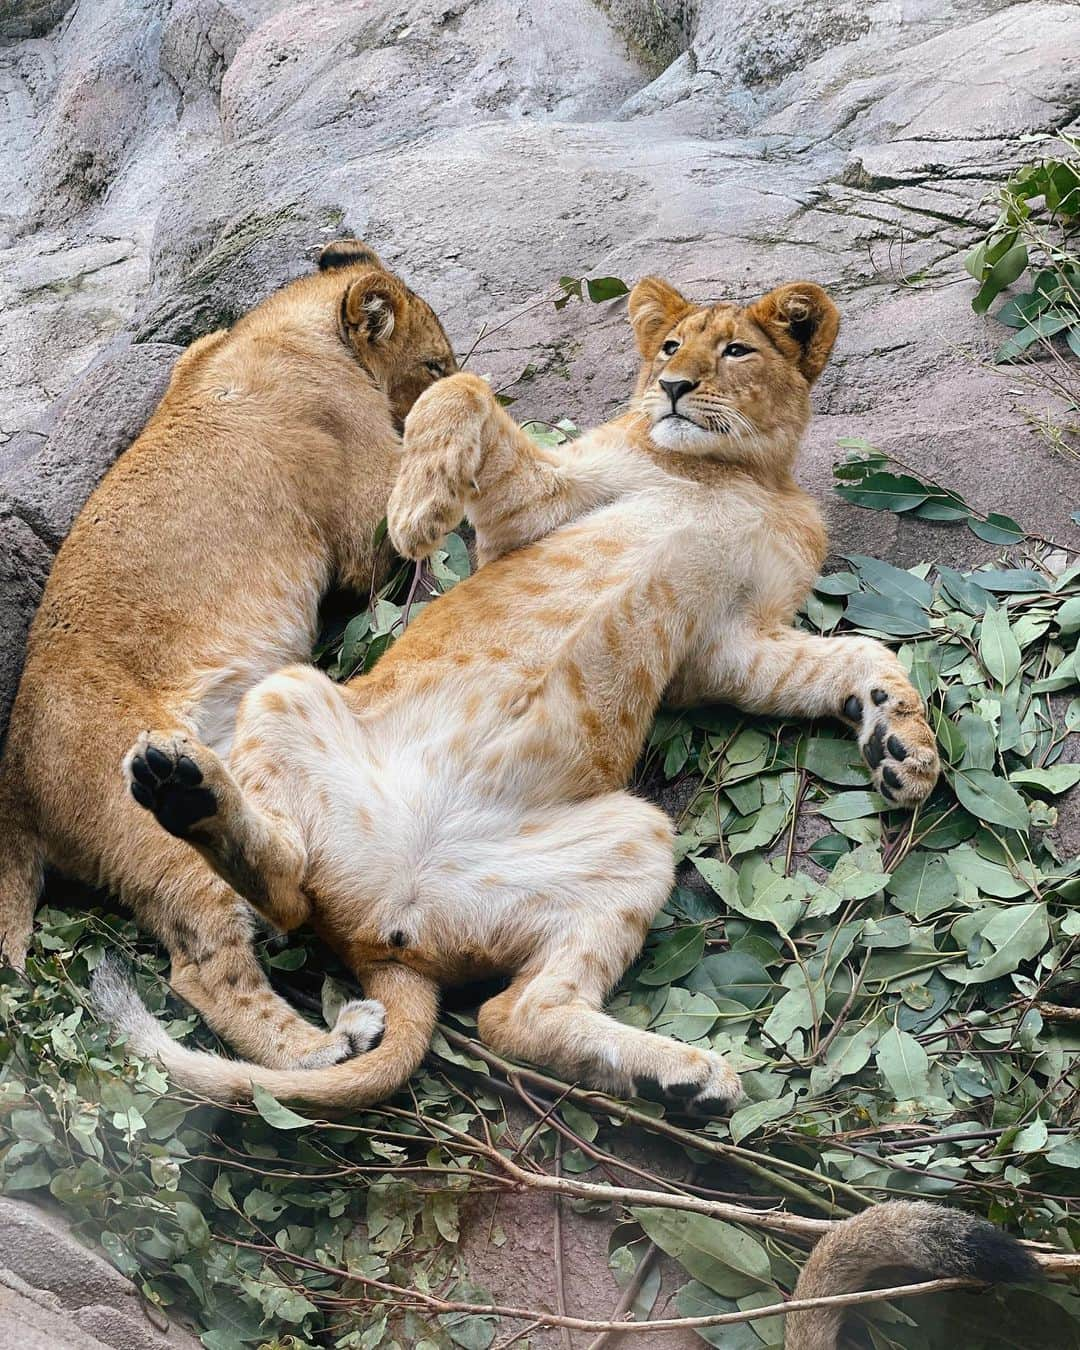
(732, 975)
(904, 1065)
(998, 648)
(1058, 778)
(892, 582)
(885, 492)
(834, 760)
(605, 288)
(923, 885)
(673, 956)
(747, 1119)
(1004, 272)
(990, 798)
(997, 529)
(881, 614)
(1012, 936)
(272, 1111)
(727, 1259)
(686, 1016)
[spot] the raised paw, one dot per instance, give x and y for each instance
(165, 778)
(359, 1027)
(441, 457)
(895, 739)
(697, 1081)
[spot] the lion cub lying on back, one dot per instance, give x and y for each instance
(460, 810)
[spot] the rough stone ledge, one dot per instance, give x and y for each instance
(56, 1294)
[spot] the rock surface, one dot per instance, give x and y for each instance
(167, 162)
(56, 1293)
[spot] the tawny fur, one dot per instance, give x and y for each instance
(460, 810)
(910, 1234)
(196, 570)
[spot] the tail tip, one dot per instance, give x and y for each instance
(972, 1246)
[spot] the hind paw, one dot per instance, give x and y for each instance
(359, 1027)
(702, 1083)
(896, 740)
(166, 779)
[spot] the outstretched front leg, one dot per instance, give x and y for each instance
(786, 672)
(464, 456)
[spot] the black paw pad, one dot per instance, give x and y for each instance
(171, 790)
(874, 749)
(712, 1106)
(652, 1088)
(890, 776)
(853, 709)
(887, 793)
(896, 748)
(879, 696)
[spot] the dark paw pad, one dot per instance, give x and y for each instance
(653, 1090)
(712, 1106)
(853, 709)
(874, 749)
(172, 789)
(879, 696)
(896, 748)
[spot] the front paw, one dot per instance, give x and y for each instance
(896, 740)
(441, 459)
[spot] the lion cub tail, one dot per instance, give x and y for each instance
(942, 1242)
(411, 1002)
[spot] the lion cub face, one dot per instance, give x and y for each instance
(393, 333)
(730, 383)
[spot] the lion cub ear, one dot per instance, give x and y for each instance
(347, 253)
(371, 307)
(802, 321)
(655, 308)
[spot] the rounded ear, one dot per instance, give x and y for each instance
(655, 308)
(371, 306)
(346, 253)
(802, 322)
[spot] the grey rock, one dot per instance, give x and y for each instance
(30, 18)
(24, 564)
(94, 421)
(55, 1293)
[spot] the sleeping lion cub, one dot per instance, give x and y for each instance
(460, 810)
(194, 571)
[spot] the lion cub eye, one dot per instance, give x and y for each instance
(737, 349)
(670, 347)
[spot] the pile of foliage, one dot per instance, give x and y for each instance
(1036, 230)
(898, 991)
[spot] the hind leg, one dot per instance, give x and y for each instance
(606, 873)
(208, 931)
(193, 796)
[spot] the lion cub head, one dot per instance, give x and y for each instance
(729, 383)
(392, 332)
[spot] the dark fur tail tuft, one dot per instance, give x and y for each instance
(960, 1244)
(937, 1242)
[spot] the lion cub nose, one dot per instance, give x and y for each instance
(676, 388)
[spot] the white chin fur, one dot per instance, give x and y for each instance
(675, 433)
